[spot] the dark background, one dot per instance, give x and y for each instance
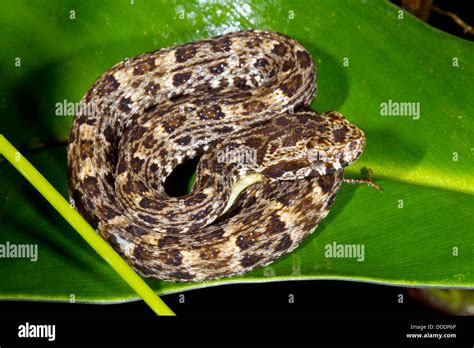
(323, 311)
(462, 8)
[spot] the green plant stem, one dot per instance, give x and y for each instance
(82, 227)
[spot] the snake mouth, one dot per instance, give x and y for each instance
(327, 160)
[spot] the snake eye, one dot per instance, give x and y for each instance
(317, 148)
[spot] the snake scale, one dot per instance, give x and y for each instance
(247, 90)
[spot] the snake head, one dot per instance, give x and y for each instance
(335, 145)
(310, 144)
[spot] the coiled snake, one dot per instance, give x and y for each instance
(245, 94)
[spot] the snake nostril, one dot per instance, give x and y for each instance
(180, 182)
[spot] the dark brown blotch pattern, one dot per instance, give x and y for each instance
(261, 63)
(109, 212)
(125, 104)
(181, 275)
(250, 260)
(172, 124)
(141, 253)
(254, 106)
(148, 219)
(223, 130)
(201, 214)
(241, 83)
(86, 119)
(288, 65)
(109, 134)
(144, 66)
(303, 59)
(149, 203)
(213, 235)
(168, 241)
(185, 53)
(288, 198)
(340, 133)
(275, 225)
(292, 85)
(185, 140)
(218, 68)
(136, 231)
(284, 243)
(181, 78)
(211, 112)
(280, 49)
(277, 170)
(221, 45)
(103, 87)
(326, 183)
(90, 185)
(136, 164)
(172, 257)
(209, 253)
(87, 149)
(151, 88)
(196, 199)
(137, 133)
(149, 141)
(244, 241)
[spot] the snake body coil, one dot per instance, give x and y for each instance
(242, 93)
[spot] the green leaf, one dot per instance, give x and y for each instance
(418, 232)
